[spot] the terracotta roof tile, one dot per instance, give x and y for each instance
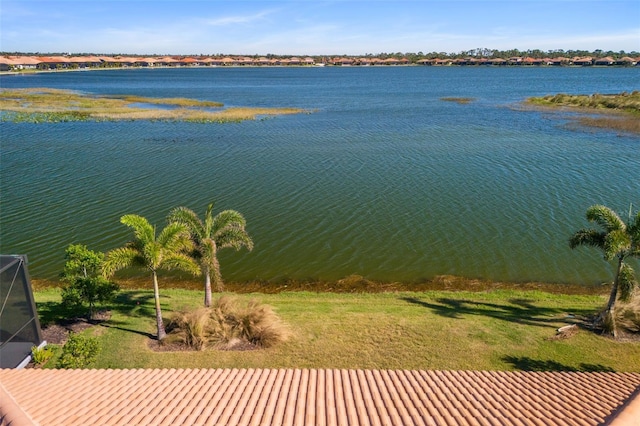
(307, 397)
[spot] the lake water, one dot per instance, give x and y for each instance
(383, 179)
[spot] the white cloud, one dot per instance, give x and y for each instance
(237, 19)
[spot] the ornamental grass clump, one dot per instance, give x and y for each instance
(627, 316)
(190, 328)
(228, 325)
(254, 323)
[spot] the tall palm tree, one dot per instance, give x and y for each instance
(169, 250)
(226, 229)
(617, 240)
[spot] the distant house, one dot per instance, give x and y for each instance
(586, 61)
(108, 61)
(84, 61)
(146, 62)
(442, 62)
(604, 61)
(559, 61)
(627, 61)
(167, 61)
(343, 61)
(497, 61)
(262, 61)
(227, 61)
(8, 63)
(52, 62)
(188, 62)
(531, 61)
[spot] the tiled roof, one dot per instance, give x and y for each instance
(316, 397)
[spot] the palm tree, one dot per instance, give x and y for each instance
(617, 240)
(169, 250)
(226, 229)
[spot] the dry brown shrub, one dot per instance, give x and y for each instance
(254, 322)
(228, 325)
(190, 328)
(627, 315)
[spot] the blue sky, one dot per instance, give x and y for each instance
(314, 27)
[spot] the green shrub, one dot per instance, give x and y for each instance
(85, 284)
(41, 355)
(79, 351)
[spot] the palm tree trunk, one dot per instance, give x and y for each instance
(207, 288)
(217, 277)
(156, 295)
(609, 317)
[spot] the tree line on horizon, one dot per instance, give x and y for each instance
(411, 56)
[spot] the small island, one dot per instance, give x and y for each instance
(45, 105)
(612, 111)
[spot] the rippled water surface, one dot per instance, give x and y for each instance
(383, 179)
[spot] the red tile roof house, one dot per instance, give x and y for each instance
(316, 397)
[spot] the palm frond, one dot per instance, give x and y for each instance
(141, 227)
(208, 221)
(182, 262)
(228, 218)
(634, 231)
(189, 218)
(626, 282)
(207, 250)
(152, 255)
(616, 243)
(606, 218)
(235, 237)
(587, 237)
(175, 237)
(121, 258)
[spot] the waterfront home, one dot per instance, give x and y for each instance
(627, 61)
(608, 60)
(586, 61)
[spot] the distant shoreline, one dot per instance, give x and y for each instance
(355, 284)
(56, 71)
(35, 63)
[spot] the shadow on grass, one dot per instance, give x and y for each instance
(111, 324)
(134, 304)
(520, 311)
(56, 313)
(529, 364)
(129, 304)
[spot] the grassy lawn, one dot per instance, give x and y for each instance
(494, 330)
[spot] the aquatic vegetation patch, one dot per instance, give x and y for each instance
(615, 111)
(45, 105)
(458, 100)
(629, 102)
